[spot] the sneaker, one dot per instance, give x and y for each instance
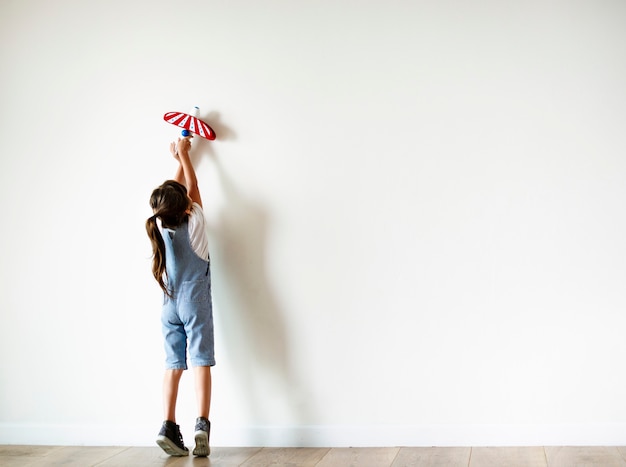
(170, 439)
(203, 428)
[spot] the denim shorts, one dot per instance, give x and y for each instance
(187, 319)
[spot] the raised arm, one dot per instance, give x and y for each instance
(186, 174)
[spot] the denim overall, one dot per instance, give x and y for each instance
(187, 316)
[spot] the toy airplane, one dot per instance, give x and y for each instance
(190, 124)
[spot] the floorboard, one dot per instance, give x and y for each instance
(432, 457)
(569, 456)
(305, 457)
(508, 457)
(550, 456)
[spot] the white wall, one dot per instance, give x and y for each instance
(416, 208)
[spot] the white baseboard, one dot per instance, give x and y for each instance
(327, 435)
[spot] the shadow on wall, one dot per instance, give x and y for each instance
(254, 327)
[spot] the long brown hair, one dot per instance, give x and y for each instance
(170, 203)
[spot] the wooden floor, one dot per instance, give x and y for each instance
(36, 456)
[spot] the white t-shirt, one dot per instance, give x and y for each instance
(198, 232)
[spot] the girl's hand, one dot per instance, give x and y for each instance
(173, 150)
(183, 145)
(186, 174)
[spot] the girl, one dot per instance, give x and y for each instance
(181, 267)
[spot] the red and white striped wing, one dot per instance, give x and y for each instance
(188, 122)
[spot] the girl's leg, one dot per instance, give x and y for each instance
(170, 439)
(203, 396)
(203, 390)
(170, 393)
